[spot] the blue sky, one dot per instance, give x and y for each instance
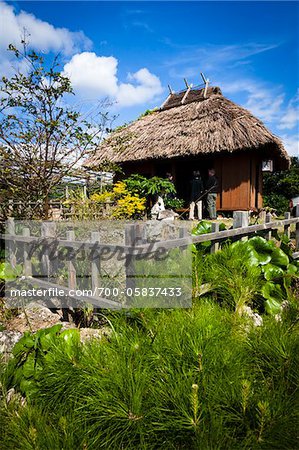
(130, 51)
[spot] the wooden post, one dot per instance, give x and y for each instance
(215, 244)
(10, 244)
(48, 231)
(287, 228)
(95, 263)
(268, 219)
(26, 258)
(297, 227)
(134, 236)
(240, 219)
(72, 279)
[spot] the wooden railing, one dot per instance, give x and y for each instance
(57, 210)
(135, 244)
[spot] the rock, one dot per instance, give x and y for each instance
(257, 320)
(33, 318)
(7, 341)
(167, 214)
(87, 334)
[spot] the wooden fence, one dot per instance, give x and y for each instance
(58, 209)
(135, 243)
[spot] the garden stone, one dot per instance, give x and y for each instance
(7, 341)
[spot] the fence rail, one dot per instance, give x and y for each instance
(135, 243)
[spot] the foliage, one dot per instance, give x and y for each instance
(8, 272)
(102, 197)
(30, 356)
(174, 203)
(81, 207)
(276, 201)
(255, 273)
(280, 187)
(180, 379)
(129, 207)
(41, 138)
(204, 227)
(138, 184)
(148, 112)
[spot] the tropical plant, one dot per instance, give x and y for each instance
(255, 273)
(138, 184)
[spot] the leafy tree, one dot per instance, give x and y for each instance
(41, 137)
(138, 184)
(280, 187)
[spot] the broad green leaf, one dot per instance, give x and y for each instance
(272, 272)
(27, 386)
(272, 291)
(258, 259)
(272, 306)
(261, 245)
(29, 367)
(25, 343)
(292, 269)
(70, 336)
(203, 227)
(279, 258)
(9, 273)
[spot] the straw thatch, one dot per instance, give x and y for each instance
(198, 126)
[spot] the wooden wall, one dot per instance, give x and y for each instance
(241, 182)
(239, 175)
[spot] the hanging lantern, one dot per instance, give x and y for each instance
(267, 165)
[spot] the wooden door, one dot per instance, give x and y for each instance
(235, 183)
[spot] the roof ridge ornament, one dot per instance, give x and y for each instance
(189, 87)
(206, 83)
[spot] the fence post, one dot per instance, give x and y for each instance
(134, 236)
(286, 228)
(48, 231)
(95, 262)
(183, 233)
(268, 219)
(72, 278)
(297, 227)
(26, 258)
(240, 219)
(11, 230)
(215, 244)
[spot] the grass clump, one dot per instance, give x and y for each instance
(179, 379)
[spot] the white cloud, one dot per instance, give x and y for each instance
(215, 58)
(96, 76)
(291, 143)
(290, 118)
(148, 87)
(93, 75)
(43, 36)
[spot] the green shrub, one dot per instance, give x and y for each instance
(181, 379)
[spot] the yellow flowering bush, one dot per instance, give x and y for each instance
(120, 189)
(102, 197)
(129, 207)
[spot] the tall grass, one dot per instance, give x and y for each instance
(201, 378)
(235, 281)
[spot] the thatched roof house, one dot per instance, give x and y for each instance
(198, 129)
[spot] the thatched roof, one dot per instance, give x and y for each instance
(190, 123)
